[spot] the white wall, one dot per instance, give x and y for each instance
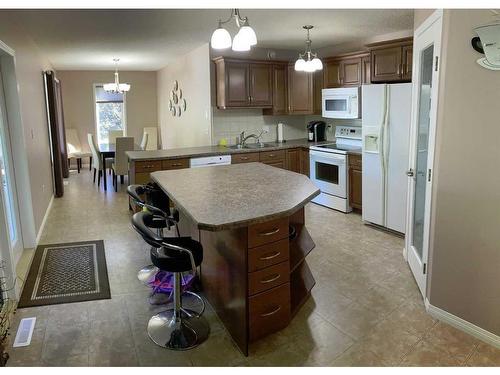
(194, 127)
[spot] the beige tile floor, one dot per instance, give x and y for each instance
(365, 309)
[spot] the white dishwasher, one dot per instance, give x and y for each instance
(209, 161)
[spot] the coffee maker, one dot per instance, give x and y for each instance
(316, 131)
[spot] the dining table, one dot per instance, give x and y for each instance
(108, 150)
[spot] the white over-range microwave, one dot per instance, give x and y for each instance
(343, 102)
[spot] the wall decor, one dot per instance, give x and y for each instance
(177, 102)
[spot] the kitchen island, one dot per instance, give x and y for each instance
(250, 220)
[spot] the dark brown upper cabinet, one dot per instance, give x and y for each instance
(243, 83)
(345, 70)
(391, 60)
(280, 90)
(366, 70)
(317, 87)
(300, 92)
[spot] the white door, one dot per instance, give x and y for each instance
(11, 245)
(426, 52)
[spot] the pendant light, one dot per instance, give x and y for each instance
(308, 61)
(244, 39)
(116, 86)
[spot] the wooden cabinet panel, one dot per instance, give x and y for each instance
(317, 87)
(278, 164)
(304, 162)
(147, 166)
(268, 255)
(280, 91)
(293, 160)
(271, 156)
(331, 74)
(246, 157)
(267, 232)
(386, 64)
(261, 90)
(237, 89)
(407, 62)
(142, 178)
(365, 70)
(269, 311)
(300, 92)
(355, 181)
(351, 72)
(268, 277)
(174, 164)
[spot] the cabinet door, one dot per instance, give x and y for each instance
(237, 88)
(277, 164)
(304, 162)
(331, 74)
(355, 192)
(317, 87)
(293, 160)
(365, 70)
(261, 90)
(350, 72)
(300, 92)
(407, 62)
(280, 88)
(386, 64)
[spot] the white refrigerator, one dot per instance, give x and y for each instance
(386, 115)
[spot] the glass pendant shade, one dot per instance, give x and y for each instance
(248, 35)
(221, 39)
(240, 43)
(309, 67)
(300, 64)
(318, 65)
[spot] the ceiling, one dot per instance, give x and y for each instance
(150, 39)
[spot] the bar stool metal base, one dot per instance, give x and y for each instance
(178, 332)
(147, 274)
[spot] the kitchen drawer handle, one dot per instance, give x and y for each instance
(271, 155)
(176, 165)
(271, 312)
(270, 233)
(270, 256)
(274, 277)
(244, 158)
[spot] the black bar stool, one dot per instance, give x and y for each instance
(159, 221)
(177, 328)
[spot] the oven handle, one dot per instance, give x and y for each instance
(327, 157)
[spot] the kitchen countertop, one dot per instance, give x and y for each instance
(190, 152)
(231, 196)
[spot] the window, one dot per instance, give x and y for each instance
(109, 112)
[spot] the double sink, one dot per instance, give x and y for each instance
(250, 146)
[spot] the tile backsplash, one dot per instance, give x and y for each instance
(229, 123)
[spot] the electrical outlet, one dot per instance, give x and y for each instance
(265, 129)
(43, 188)
(32, 131)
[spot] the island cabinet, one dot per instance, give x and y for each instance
(391, 61)
(346, 70)
(243, 83)
(355, 181)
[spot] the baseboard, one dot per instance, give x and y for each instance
(463, 325)
(42, 226)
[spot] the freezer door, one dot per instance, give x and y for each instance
(398, 154)
(372, 104)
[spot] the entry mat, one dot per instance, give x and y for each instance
(65, 273)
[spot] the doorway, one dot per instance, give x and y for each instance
(426, 52)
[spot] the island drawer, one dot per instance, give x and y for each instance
(267, 255)
(246, 157)
(174, 164)
(267, 232)
(147, 166)
(268, 278)
(272, 155)
(269, 311)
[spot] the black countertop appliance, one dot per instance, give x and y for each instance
(316, 131)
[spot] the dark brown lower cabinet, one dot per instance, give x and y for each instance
(355, 182)
(293, 160)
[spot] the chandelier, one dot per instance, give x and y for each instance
(242, 41)
(116, 86)
(308, 61)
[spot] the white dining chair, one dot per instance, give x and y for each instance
(120, 166)
(144, 142)
(152, 132)
(97, 160)
(75, 149)
(113, 134)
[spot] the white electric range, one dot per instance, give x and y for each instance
(329, 167)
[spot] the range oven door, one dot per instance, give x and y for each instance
(329, 172)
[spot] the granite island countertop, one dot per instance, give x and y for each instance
(231, 196)
(190, 152)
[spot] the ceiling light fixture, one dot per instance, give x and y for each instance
(308, 61)
(116, 86)
(242, 41)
